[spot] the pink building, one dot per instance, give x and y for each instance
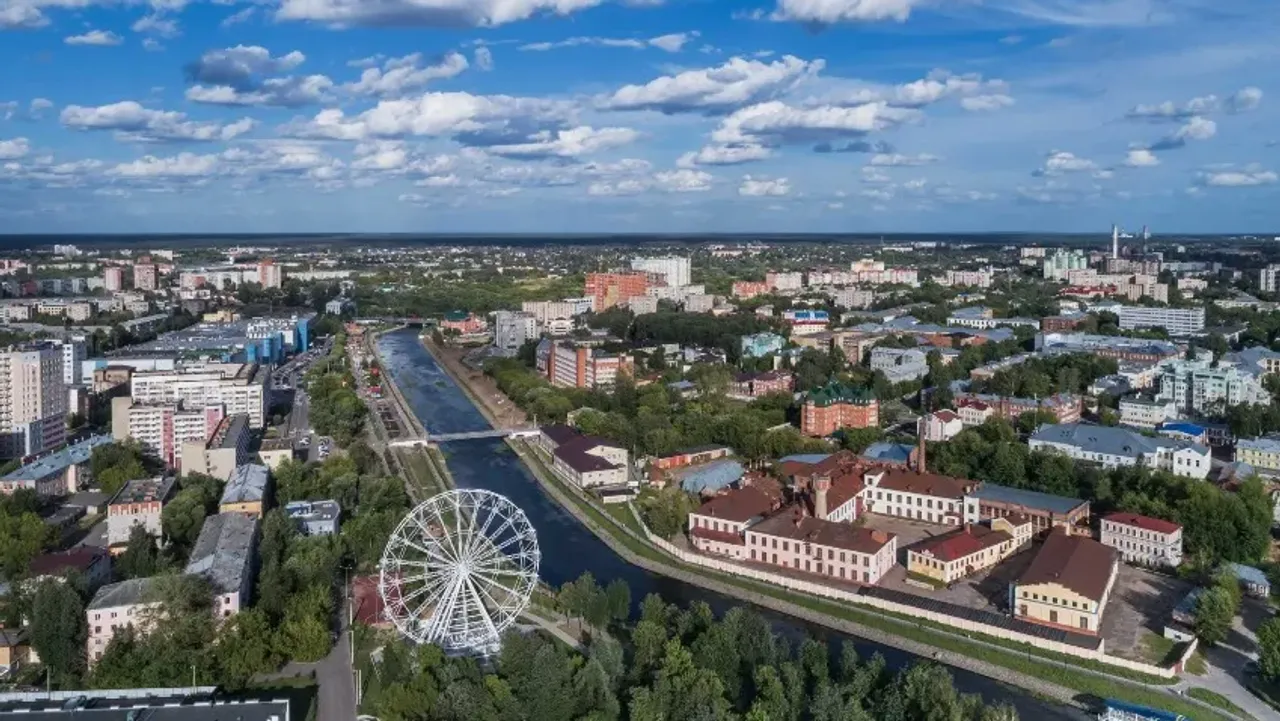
(837, 551)
(717, 526)
(942, 425)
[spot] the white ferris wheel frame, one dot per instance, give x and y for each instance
(459, 569)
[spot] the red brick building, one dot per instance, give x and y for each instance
(754, 385)
(745, 289)
(612, 289)
(836, 406)
(1061, 322)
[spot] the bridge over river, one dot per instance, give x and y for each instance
(464, 436)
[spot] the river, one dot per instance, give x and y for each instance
(569, 549)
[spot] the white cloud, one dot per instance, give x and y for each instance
(433, 114)
(723, 155)
(240, 66)
(896, 159)
(287, 92)
(1197, 128)
(435, 13)
(157, 24)
(182, 165)
(1060, 161)
(570, 143)
(1244, 100)
(399, 76)
(717, 89)
(632, 186)
(1141, 158)
(829, 12)
(764, 186)
(484, 58)
(775, 123)
(14, 149)
(133, 122)
(242, 16)
(20, 15)
(980, 103)
(672, 42)
(151, 45)
(1249, 177)
(95, 37)
(683, 180)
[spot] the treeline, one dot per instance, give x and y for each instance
(1043, 377)
(671, 665)
(699, 329)
(336, 408)
(1217, 524)
(437, 295)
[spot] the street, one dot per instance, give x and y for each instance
(334, 677)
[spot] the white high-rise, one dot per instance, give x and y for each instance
(512, 328)
(33, 399)
(239, 388)
(1177, 322)
(73, 356)
(674, 270)
(1269, 279)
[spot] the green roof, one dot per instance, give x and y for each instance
(456, 315)
(834, 392)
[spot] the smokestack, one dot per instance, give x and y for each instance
(820, 488)
(920, 459)
(1115, 241)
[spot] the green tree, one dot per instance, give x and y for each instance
(22, 537)
(1269, 649)
(1214, 615)
(115, 464)
(245, 648)
(59, 631)
(140, 559)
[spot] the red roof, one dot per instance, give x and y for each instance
(927, 484)
(739, 505)
(970, 403)
(961, 543)
(1147, 523)
(77, 559)
(946, 416)
(721, 536)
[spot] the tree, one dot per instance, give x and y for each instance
(244, 648)
(1214, 615)
(140, 558)
(115, 464)
(182, 519)
(59, 631)
(22, 537)
(1269, 649)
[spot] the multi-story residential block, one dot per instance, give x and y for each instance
(949, 557)
(611, 289)
(58, 474)
(138, 503)
(674, 293)
(93, 565)
(163, 429)
(900, 364)
(642, 304)
(718, 526)
(1064, 322)
(73, 355)
(974, 278)
(836, 406)
(226, 449)
(746, 289)
(1057, 266)
(315, 518)
(755, 385)
(1138, 412)
(1202, 387)
(144, 275)
(762, 344)
(784, 281)
(33, 399)
(1258, 361)
(238, 387)
(270, 275)
(224, 554)
(1143, 540)
(874, 272)
(1065, 407)
(1067, 585)
(839, 551)
(246, 491)
(1178, 322)
(1111, 447)
(1139, 350)
(1261, 453)
(117, 606)
(853, 298)
(699, 303)
(570, 366)
(674, 271)
(806, 321)
(546, 311)
(113, 279)
(1269, 279)
(942, 426)
(513, 329)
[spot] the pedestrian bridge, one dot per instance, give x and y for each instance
(465, 436)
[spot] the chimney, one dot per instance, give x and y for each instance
(920, 450)
(820, 487)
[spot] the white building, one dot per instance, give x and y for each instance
(33, 399)
(239, 388)
(642, 304)
(1175, 321)
(674, 270)
(73, 355)
(699, 303)
(1143, 540)
(138, 503)
(512, 329)
(546, 311)
(942, 426)
(1111, 447)
(785, 281)
(1199, 387)
(1148, 414)
(223, 554)
(717, 527)
(900, 364)
(1269, 279)
(675, 294)
(838, 551)
(975, 278)
(909, 494)
(163, 428)
(853, 298)
(118, 606)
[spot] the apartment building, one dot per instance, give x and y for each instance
(163, 429)
(911, 494)
(754, 385)
(673, 271)
(270, 275)
(513, 329)
(113, 279)
(144, 275)
(1139, 350)
(784, 281)
(224, 555)
(900, 364)
(699, 303)
(612, 289)
(1137, 412)
(247, 491)
(853, 298)
(1111, 447)
(1202, 388)
(58, 474)
(719, 525)
(951, 556)
(837, 551)
(1143, 540)
(1178, 322)
(1067, 585)
(942, 426)
(138, 503)
(1269, 279)
(569, 366)
(33, 399)
(226, 449)
(117, 606)
(746, 289)
(761, 344)
(973, 278)
(644, 304)
(237, 387)
(837, 406)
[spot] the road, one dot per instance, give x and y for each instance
(336, 699)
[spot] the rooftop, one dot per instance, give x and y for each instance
(560, 434)
(1146, 523)
(929, 484)
(1110, 440)
(1249, 574)
(155, 704)
(1078, 563)
(229, 431)
(791, 523)
(313, 510)
(712, 476)
(58, 462)
(144, 490)
(834, 393)
(738, 505)
(575, 454)
(59, 562)
(1262, 445)
(885, 452)
(248, 484)
(125, 593)
(223, 550)
(960, 543)
(1036, 500)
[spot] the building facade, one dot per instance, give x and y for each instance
(137, 503)
(836, 551)
(118, 606)
(674, 271)
(1111, 447)
(836, 406)
(1067, 585)
(237, 387)
(1178, 322)
(1200, 387)
(224, 554)
(1143, 540)
(163, 429)
(608, 290)
(949, 557)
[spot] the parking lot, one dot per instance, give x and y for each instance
(1140, 603)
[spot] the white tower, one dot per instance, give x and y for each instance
(1115, 241)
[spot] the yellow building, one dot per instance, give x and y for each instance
(948, 557)
(246, 491)
(1067, 585)
(15, 651)
(1261, 453)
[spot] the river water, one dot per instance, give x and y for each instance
(568, 549)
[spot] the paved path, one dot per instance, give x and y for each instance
(335, 679)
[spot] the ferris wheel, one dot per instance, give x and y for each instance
(459, 569)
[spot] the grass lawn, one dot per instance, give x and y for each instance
(1020, 657)
(1216, 699)
(1196, 665)
(1156, 649)
(621, 513)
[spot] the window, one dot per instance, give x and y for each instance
(1084, 622)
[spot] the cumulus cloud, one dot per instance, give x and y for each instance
(434, 114)
(133, 122)
(182, 165)
(830, 12)
(1242, 100)
(1058, 162)
(241, 67)
(16, 16)
(983, 103)
(683, 180)
(14, 149)
(1245, 178)
(399, 76)
(156, 24)
(94, 37)
(757, 187)
(241, 16)
(672, 42)
(897, 159)
(1141, 158)
(940, 84)
(484, 58)
(433, 13)
(287, 92)
(238, 77)
(714, 90)
(1197, 128)
(570, 143)
(855, 146)
(723, 155)
(776, 123)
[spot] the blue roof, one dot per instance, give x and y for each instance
(60, 461)
(1030, 499)
(712, 476)
(1143, 711)
(1249, 574)
(891, 452)
(805, 458)
(1190, 429)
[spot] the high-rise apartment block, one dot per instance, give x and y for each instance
(73, 356)
(512, 329)
(673, 270)
(611, 289)
(33, 399)
(144, 274)
(1175, 321)
(269, 274)
(238, 387)
(162, 428)
(1269, 279)
(113, 280)
(569, 366)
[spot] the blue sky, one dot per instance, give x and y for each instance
(638, 116)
